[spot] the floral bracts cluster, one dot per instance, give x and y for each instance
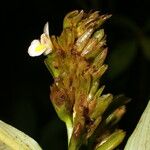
(76, 61)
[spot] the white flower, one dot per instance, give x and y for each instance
(42, 46)
(36, 48)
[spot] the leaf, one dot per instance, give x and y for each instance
(140, 138)
(121, 57)
(13, 139)
(145, 45)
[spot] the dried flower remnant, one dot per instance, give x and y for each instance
(76, 62)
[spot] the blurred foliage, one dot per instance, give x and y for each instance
(123, 54)
(53, 135)
(145, 45)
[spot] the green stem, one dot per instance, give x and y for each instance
(75, 142)
(73, 145)
(69, 127)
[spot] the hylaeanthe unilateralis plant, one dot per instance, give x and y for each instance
(75, 59)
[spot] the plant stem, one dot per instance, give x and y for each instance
(69, 127)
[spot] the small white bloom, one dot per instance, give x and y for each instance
(42, 46)
(36, 48)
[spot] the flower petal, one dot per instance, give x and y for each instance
(46, 28)
(45, 40)
(36, 48)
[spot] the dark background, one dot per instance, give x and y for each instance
(25, 81)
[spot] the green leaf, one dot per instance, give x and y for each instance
(121, 57)
(140, 138)
(145, 45)
(14, 139)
